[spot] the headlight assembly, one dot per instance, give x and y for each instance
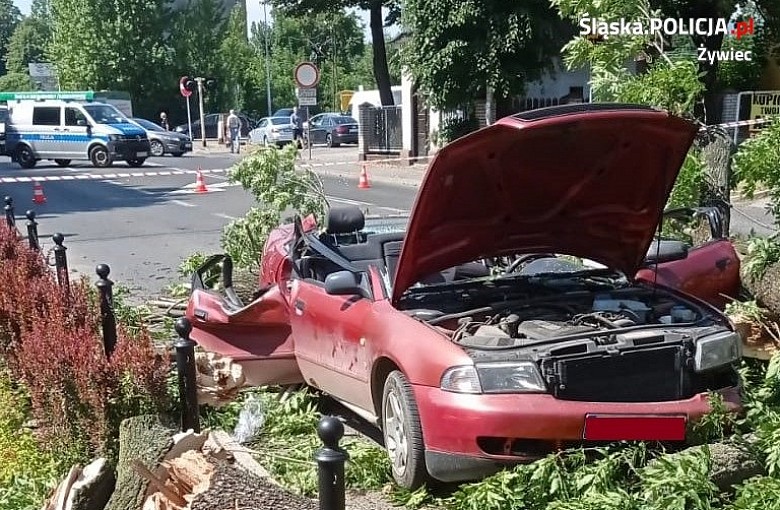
(114, 138)
(499, 377)
(717, 350)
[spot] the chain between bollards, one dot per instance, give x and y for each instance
(10, 218)
(32, 231)
(61, 261)
(185, 367)
(330, 464)
(107, 317)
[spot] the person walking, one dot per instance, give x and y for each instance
(297, 121)
(234, 126)
(164, 121)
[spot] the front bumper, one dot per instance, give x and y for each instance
(129, 149)
(177, 146)
(467, 436)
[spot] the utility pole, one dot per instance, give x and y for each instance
(202, 117)
(266, 29)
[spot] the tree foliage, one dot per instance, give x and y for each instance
(9, 19)
(377, 24)
(27, 44)
(456, 49)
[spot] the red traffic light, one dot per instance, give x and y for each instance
(186, 86)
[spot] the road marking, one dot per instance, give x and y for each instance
(103, 177)
(225, 216)
(182, 203)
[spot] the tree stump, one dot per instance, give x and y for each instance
(766, 289)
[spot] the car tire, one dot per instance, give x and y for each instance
(100, 157)
(156, 148)
(402, 432)
(25, 156)
(135, 163)
(329, 141)
(265, 141)
(62, 162)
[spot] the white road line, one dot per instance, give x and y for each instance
(137, 174)
(183, 204)
(125, 175)
(68, 177)
(53, 178)
(114, 183)
(24, 179)
(224, 216)
(350, 201)
(82, 177)
(110, 176)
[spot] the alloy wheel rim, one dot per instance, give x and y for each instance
(395, 433)
(157, 148)
(100, 156)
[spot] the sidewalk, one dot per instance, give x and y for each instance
(387, 173)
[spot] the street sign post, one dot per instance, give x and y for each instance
(307, 77)
(306, 97)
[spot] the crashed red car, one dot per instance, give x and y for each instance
(526, 304)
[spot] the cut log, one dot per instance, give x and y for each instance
(158, 484)
(233, 487)
(60, 496)
(731, 464)
(93, 488)
(766, 289)
(147, 438)
(218, 378)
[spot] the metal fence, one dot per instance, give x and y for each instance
(381, 128)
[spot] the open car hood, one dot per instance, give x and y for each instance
(585, 180)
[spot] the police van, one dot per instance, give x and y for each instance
(66, 130)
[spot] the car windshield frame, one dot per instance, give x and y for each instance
(279, 121)
(149, 125)
(102, 113)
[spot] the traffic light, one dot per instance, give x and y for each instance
(190, 84)
(210, 83)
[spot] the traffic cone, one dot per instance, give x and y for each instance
(200, 184)
(363, 182)
(38, 196)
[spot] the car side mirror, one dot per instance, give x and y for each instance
(665, 250)
(344, 283)
(81, 122)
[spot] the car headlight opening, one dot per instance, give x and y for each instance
(114, 138)
(715, 351)
(497, 377)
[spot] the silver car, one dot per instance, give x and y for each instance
(278, 130)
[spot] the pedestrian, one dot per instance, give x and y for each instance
(297, 121)
(164, 121)
(234, 126)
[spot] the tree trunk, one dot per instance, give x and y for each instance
(381, 73)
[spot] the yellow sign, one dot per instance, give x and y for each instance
(764, 104)
(345, 96)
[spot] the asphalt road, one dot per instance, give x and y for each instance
(144, 226)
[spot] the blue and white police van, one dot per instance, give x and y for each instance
(70, 128)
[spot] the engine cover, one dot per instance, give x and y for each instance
(541, 329)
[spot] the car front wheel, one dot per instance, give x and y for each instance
(403, 432)
(100, 157)
(25, 157)
(157, 148)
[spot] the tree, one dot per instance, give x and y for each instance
(377, 24)
(16, 82)
(456, 50)
(9, 19)
(27, 44)
(236, 57)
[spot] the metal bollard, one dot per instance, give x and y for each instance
(330, 464)
(10, 219)
(185, 367)
(32, 231)
(108, 320)
(61, 261)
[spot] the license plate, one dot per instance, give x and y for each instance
(622, 427)
(353, 130)
(188, 145)
(142, 154)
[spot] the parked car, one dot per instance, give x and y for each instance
(283, 112)
(332, 129)
(163, 141)
(212, 125)
(525, 304)
(276, 130)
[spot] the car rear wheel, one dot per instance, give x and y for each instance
(329, 140)
(157, 148)
(62, 162)
(136, 162)
(403, 432)
(100, 157)
(25, 157)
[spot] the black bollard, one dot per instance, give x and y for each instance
(185, 367)
(32, 231)
(107, 318)
(10, 219)
(330, 464)
(61, 261)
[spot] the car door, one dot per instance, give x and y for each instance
(314, 130)
(48, 130)
(212, 125)
(75, 138)
(710, 271)
(261, 133)
(329, 339)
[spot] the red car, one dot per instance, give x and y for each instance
(524, 306)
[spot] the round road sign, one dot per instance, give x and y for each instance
(182, 84)
(307, 75)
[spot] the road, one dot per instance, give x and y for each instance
(144, 226)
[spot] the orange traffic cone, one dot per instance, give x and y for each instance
(38, 196)
(363, 182)
(200, 184)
